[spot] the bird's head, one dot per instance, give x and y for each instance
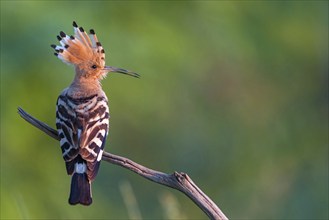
(86, 53)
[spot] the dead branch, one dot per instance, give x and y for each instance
(178, 180)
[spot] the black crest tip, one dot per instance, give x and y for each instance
(59, 38)
(72, 37)
(66, 46)
(56, 54)
(98, 44)
(75, 24)
(81, 29)
(91, 31)
(53, 46)
(62, 34)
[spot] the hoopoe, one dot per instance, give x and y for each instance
(82, 113)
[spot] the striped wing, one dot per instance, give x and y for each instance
(82, 125)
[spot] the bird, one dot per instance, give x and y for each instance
(82, 110)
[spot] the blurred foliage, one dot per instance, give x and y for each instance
(233, 93)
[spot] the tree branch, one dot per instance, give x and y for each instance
(178, 180)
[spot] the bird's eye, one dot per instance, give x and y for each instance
(94, 66)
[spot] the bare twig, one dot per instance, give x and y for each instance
(178, 180)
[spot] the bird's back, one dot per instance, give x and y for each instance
(82, 123)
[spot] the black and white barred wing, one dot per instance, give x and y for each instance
(67, 130)
(93, 136)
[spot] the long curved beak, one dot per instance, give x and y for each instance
(119, 70)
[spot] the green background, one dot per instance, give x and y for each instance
(234, 93)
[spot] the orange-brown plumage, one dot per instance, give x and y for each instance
(86, 53)
(83, 51)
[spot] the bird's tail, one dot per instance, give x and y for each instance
(80, 189)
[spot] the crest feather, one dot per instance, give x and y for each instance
(79, 48)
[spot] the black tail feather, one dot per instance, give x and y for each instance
(80, 190)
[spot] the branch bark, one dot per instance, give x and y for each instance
(177, 180)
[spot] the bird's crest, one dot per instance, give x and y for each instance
(80, 47)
